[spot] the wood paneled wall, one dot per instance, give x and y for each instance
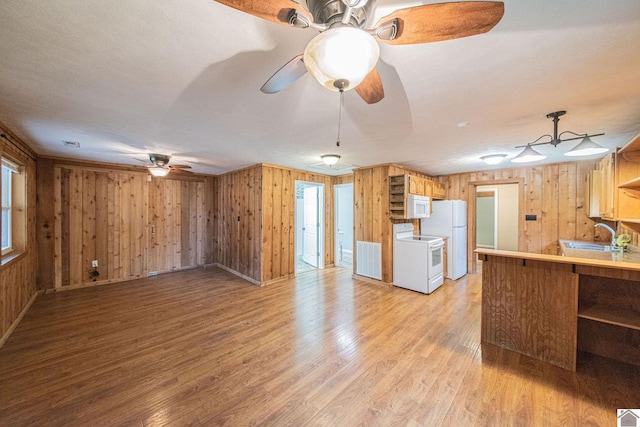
(18, 275)
(371, 211)
(255, 217)
(131, 224)
(555, 193)
(178, 213)
(100, 215)
(278, 214)
(238, 221)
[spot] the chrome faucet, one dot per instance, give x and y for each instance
(614, 246)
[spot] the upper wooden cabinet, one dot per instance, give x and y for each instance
(620, 185)
(607, 170)
(592, 197)
(400, 186)
(415, 185)
(628, 184)
(439, 192)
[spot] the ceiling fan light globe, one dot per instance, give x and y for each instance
(158, 171)
(586, 147)
(342, 53)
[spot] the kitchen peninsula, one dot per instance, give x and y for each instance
(548, 306)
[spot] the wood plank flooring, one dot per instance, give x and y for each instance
(203, 347)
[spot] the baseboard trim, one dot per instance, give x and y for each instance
(372, 281)
(243, 276)
(15, 323)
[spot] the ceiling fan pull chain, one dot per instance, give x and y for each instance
(340, 115)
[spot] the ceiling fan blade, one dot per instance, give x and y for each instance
(277, 11)
(180, 166)
(285, 76)
(179, 171)
(371, 89)
(443, 21)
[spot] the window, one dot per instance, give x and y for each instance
(8, 170)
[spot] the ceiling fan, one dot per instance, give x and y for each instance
(160, 166)
(344, 55)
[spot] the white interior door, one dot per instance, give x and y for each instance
(310, 253)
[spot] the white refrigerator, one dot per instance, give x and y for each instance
(449, 219)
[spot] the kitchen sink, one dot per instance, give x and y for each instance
(583, 246)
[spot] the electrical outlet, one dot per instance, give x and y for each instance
(94, 263)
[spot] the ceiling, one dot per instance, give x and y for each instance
(182, 78)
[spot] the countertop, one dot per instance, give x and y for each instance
(631, 255)
(619, 261)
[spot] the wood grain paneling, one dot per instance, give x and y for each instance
(371, 211)
(255, 220)
(177, 227)
(17, 272)
(554, 193)
(129, 223)
(45, 223)
(101, 213)
(238, 221)
(531, 307)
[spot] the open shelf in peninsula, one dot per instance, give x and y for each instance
(619, 317)
(589, 303)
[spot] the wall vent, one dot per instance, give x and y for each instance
(369, 259)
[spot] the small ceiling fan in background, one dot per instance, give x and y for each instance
(160, 166)
(344, 55)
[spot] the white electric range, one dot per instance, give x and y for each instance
(417, 260)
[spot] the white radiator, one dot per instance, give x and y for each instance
(369, 259)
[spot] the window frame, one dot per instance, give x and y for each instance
(11, 173)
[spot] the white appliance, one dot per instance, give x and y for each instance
(449, 219)
(417, 260)
(418, 206)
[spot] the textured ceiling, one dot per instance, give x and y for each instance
(176, 77)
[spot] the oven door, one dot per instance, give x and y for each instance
(436, 259)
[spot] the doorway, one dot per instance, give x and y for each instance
(486, 218)
(343, 225)
(497, 217)
(309, 226)
(507, 219)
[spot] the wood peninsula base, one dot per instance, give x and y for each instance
(548, 307)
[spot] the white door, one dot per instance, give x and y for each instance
(310, 254)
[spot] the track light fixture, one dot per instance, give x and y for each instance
(585, 148)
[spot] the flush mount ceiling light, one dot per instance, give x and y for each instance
(493, 159)
(585, 148)
(330, 159)
(341, 54)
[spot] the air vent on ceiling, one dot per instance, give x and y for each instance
(75, 144)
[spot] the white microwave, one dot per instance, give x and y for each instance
(418, 206)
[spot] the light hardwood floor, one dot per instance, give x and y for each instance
(202, 347)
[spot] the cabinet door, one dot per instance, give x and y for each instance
(416, 185)
(438, 191)
(607, 187)
(592, 197)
